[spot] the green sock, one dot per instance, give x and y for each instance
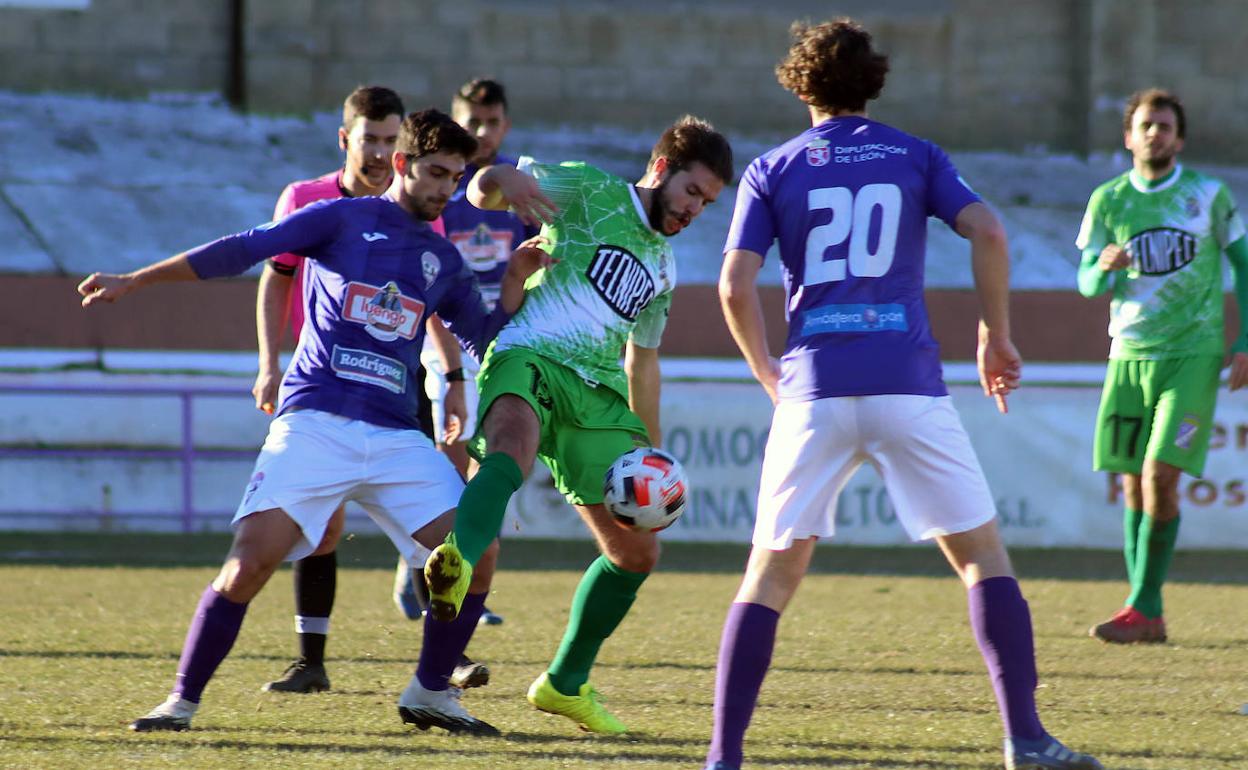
(602, 600)
(1130, 534)
(1153, 552)
(483, 504)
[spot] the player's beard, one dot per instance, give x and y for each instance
(429, 209)
(659, 208)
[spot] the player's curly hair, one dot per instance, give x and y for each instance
(1156, 99)
(429, 131)
(832, 67)
(693, 140)
(370, 103)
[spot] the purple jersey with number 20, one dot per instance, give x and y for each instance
(849, 200)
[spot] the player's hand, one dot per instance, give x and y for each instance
(770, 380)
(265, 388)
(104, 287)
(1000, 366)
(1239, 371)
(529, 257)
(1113, 257)
(454, 412)
(525, 199)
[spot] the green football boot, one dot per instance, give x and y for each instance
(448, 576)
(583, 708)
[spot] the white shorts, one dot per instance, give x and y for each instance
(916, 443)
(312, 462)
(435, 389)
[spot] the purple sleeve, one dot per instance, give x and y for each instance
(753, 227)
(466, 315)
(305, 229)
(947, 192)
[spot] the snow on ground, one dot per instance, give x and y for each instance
(92, 184)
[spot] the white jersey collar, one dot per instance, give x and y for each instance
(641, 211)
(1141, 184)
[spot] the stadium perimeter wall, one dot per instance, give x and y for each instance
(966, 73)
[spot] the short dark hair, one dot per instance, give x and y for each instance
(693, 140)
(832, 67)
(370, 103)
(1157, 99)
(429, 131)
(480, 92)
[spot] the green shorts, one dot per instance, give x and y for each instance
(1161, 410)
(583, 428)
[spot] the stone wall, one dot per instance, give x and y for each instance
(971, 74)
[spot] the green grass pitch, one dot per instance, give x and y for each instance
(875, 666)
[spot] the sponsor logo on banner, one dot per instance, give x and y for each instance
(817, 152)
(482, 248)
(854, 318)
(1161, 250)
(621, 280)
(370, 368)
(430, 266)
(385, 313)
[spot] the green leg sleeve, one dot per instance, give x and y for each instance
(483, 504)
(1154, 550)
(1130, 535)
(602, 600)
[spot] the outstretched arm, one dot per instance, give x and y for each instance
(1000, 365)
(500, 187)
(109, 287)
(743, 311)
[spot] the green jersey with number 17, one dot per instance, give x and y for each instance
(1167, 303)
(613, 281)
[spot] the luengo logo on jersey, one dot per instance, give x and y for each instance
(385, 312)
(1162, 250)
(621, 280)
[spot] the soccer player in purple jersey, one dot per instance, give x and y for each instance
(347, 427)
(860, 378)
(371, 116)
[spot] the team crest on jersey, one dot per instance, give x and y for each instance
(1161, 250)
(818, 153)
(385, 312)
(430, 266)
(1193, 207)
(621, 280)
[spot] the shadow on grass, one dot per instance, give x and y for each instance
(375, 552)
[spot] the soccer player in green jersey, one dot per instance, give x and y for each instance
(551, 385)
(1155, 236)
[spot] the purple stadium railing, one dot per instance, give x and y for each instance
(186, 453)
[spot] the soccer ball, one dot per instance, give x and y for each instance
(645, 489)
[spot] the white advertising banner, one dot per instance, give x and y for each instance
(1037, 458)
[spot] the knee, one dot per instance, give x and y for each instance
(1162, 500)
(642, 558)
(242, 577)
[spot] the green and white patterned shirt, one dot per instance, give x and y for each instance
(1168, 302)
(613, 281)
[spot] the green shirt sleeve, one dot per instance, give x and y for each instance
(1237, 254)
(651, 322)
(1093, 236)
(561, 182)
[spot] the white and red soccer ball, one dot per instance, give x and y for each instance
(645, 489)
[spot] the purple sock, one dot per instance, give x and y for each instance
(744, 655)
(445, 642)
(1002, 625)
(214, 627)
